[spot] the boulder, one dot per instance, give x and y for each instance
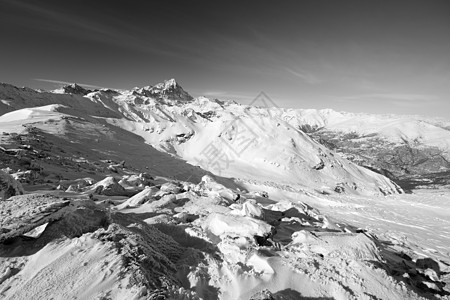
(132, 180)
(249, 208)
(25, 176)
(9, 186)
(429, 267)
(171, 187)
(209, 187)
(109, 187)
(221, 224)
(139, 198)
(72, 189)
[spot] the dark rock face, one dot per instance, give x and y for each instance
(9, 186)
(75, 89)
(169, 89)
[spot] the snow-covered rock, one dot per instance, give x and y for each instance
(336, 245)
(220, 224)
(36, 232)
(139, 198)
(171, 187)
(141, 179)
(209, 186)
(109, 187)
(249, 208)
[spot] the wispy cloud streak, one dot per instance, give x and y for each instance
(392, 96)
(400, 100)
(226, 95)
(117, 33)
(304, 76)
(60, 83)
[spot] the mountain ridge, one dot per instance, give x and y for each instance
(191, 128)
(376, 142)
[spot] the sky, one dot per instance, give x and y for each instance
(357, 56)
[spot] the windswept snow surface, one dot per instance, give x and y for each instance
(183, 243)
(32, 114)
(419, 221)
(151, 194)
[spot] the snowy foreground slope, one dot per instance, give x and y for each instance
(152, 194)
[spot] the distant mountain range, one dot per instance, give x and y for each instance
(305, 149)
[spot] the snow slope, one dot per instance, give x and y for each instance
(112, 208)
(191, 241)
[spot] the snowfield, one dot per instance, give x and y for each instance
(152, 194)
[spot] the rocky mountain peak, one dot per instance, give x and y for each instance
(169, 89)
(170, 83)
(75, 89)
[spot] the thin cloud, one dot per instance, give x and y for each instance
(63, 18)
(214, 93)
(237, 97)
(394, 99)
(223, 95)
(304, 75)
(118, 35)
(392, 96)
(61, 83)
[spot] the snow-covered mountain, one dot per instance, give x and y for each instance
(167, 90)
(395, 127)
(72, 89)
(411, 150)
(225, 138)
(152, 194)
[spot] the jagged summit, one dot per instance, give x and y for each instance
(167, 84)
(73, 89)
(168, 90)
